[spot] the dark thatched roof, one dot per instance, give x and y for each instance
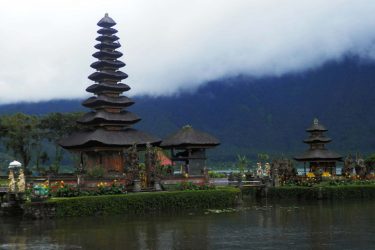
(106, 22)
(318, 155)
(187, 136)
(124, 117)
(107, 63)
(102, 75)
(107, 138)
(107, 31)
(317, 139)
(96, 88)
(121, 101)
(103, 38)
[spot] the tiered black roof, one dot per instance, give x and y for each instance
(189, 137)
(108, 124)
(317, 141)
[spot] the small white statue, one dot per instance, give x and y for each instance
(267, 169)
(21, 184)
(259, 170)
(12, 182)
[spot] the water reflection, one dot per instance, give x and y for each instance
(317, 225)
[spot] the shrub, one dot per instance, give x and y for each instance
(213, 174)
(144, 202)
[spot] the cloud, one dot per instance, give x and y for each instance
(172, 45)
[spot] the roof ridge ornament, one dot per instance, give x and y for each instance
(316, 121)
(187, 126)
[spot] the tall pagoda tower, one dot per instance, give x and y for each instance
(108, 128)
(318, 156)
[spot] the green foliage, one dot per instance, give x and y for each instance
(54, 127)
(139, 203)
(66, 190)
(188, 185)
(242, 162)
(24, 136)
(164, 171)
(3, 183)
(96, 172)
(263, 157)
(213, 174)
(20, 135)
(370, 162)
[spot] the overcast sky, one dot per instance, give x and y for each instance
(171, 45)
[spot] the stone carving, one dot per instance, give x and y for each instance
(283, 169)
(259, 170)
(132, 163)
(21, 183)
(347, 170)
(360, 166)
(12, 182)
(267, 170)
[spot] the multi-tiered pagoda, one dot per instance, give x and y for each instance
(318, 156)
(108, 131)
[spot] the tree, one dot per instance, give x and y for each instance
(242, 162)
(55, 126)
(20, 135)
(263, 157)
(370, 162)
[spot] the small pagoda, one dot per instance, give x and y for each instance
(189, 146)
(108, 131)
(318, 156)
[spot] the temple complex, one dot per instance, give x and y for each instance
(108, 131)
(189, 146)
(318, 156)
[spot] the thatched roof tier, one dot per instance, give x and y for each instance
(102, 117)
(107, 31)
(108, 38)
(107, 55)
(318, 155)
(99, 76)
(107, 45)
(98, 88)
(315, 139)
(114, 64)
(187, 136)
(103, 137)
(98, 101)
(106, 22)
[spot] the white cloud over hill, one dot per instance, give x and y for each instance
(170, 45)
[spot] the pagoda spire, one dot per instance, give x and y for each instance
(108, 126)
(318, 155)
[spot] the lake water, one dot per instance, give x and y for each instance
(314, 225)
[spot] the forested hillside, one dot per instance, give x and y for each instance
(262, 115)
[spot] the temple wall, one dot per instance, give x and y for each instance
(111, 161)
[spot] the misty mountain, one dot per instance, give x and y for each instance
(270, 115)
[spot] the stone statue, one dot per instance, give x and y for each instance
(360, 167)
(259, 170)
(21, 184)
(267, 169)
(12, 182)
(283, 169)
(132, 161)
(347, 170)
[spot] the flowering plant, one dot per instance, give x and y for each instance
(310, 175)
(326, 174)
